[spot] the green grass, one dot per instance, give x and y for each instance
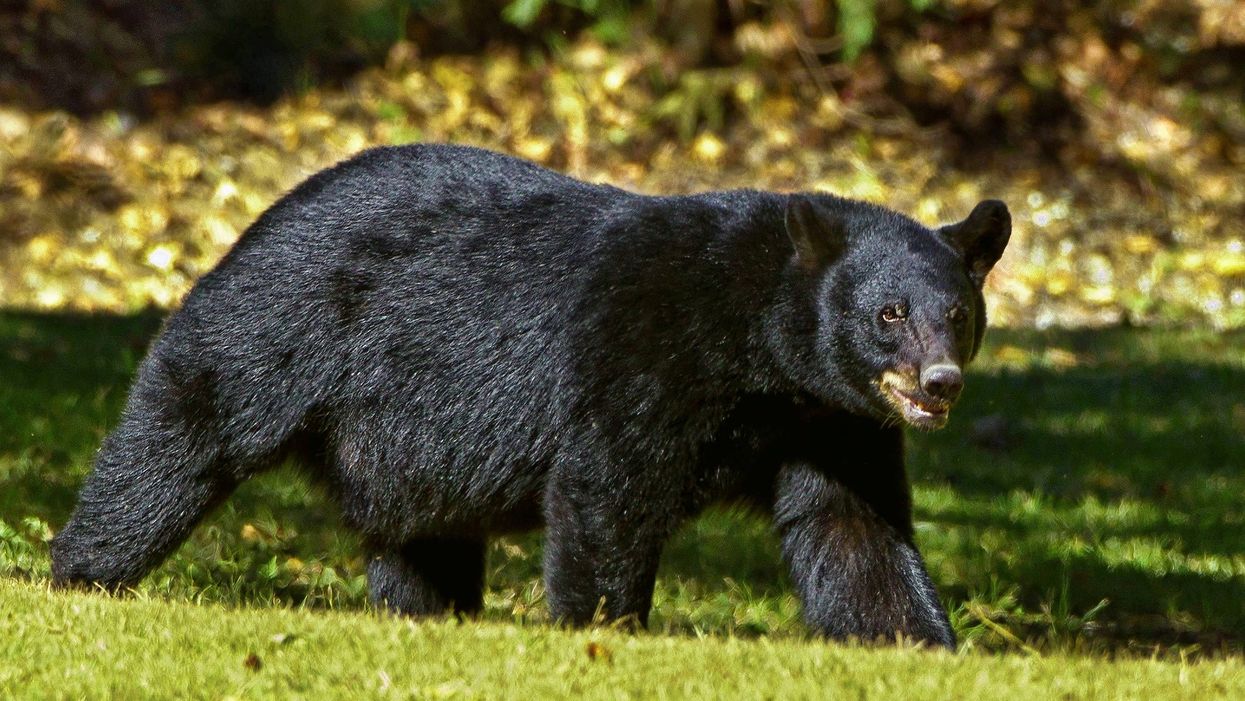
(80, 645)
(1084, 505)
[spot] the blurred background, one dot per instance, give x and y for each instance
(137, 139)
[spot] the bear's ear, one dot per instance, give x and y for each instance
(981, 237)
(817, 235)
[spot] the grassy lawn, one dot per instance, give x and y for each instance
(1084, 507)
(87, 646)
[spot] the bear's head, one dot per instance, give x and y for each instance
(885, 313)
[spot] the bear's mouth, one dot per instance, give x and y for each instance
(917, 408)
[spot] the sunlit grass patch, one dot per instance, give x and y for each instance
(90, 646)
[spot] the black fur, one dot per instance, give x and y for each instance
(461, 344)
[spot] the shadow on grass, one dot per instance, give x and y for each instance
(1117, 476)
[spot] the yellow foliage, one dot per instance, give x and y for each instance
(709, 148)
(105, 214)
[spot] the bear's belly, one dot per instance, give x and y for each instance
(461, 497)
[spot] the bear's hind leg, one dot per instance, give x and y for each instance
(429, 577)
(153, 480)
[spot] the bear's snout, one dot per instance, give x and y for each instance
(942, 381)
(923, 400)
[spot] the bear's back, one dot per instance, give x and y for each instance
(437, 245)
(426, 287)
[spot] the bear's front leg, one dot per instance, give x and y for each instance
(847, 536)
(602, 548)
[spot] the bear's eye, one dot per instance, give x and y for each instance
(956, 314)
(894, 313)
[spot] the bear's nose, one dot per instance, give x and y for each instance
(943, 381)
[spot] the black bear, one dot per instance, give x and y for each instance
(460, 344)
